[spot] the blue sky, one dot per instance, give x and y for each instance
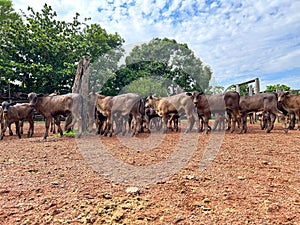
(239, 40)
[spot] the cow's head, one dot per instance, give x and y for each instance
(282, 95)
(5, 106)
(32, 97)
(195, 95)
(150, 101)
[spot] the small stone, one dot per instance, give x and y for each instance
(206, 200)
(241, 178)
(133, 190)
(189, 177)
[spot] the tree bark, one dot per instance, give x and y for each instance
(81, 85)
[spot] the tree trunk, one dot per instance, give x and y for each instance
(81, 85)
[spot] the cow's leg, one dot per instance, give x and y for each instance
(3, 128)
(108, 125)
(292, 118)
(176, 126)
(31, 128)
(47, 125)
(18, 129)
(164, 123)
(272, 120)
(133, 125)
(206, 121)
(21, 126)
(10, 130)
(52, 126)
(69, 123)
(269, 121)
(297, 118)
(201, 123)
(57, 123)
(235, 115)
(233, 124)
(229, 116)
(244, 123)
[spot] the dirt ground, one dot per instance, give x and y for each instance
(252, 178)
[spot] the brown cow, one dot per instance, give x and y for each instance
(291, 103)
(176, 104)
(206, 104)
(262, 102)
(54, 106)
(14, 113)
(121, 109)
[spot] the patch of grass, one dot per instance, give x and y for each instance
(72, 133)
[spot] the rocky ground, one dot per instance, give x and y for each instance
(251, 178)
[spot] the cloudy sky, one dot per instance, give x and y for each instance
(239, 40)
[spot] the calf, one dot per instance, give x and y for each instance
(208, 104)
(262, 102)
(14, 114)
(291, 103)
(54, 106)
(176, 104)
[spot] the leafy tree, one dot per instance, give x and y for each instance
(7, 14)
(41, 53)
(173, 61)
(273, 88)
(146, 86)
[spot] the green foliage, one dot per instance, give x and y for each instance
(169, 60)
(146, 86)
(7, 12)
(273, 88)
(41, 53)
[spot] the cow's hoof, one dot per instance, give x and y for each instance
(286, 130)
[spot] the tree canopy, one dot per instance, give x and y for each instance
(174, 61)
(40, 52)
(273, 88)
(163, 61)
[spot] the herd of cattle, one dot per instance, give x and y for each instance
(133, 114)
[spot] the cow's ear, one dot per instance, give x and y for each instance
(201, 93)
(40, 95)
(150, 97)
(188, 94)
(287, 93)
(12, 103)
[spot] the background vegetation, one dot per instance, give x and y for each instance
(40, 54)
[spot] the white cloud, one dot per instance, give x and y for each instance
(238, 39)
